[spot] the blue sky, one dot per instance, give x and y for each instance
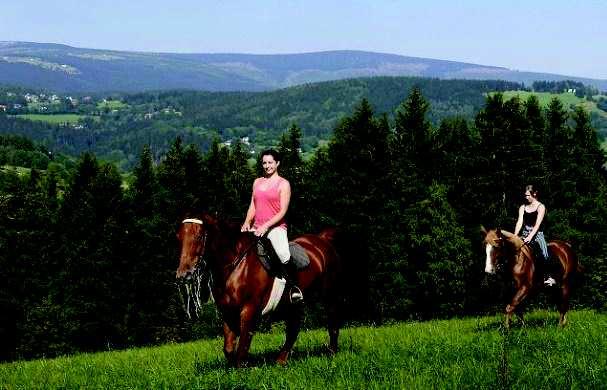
(545, 36)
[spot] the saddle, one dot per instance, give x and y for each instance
(269, 260)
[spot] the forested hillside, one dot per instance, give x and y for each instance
(116, 127)
(92, 267)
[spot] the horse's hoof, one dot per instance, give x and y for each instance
(332, 350)
(282, 359)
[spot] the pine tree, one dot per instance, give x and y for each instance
(217, 189)
(240, 181)
(559, 136)
(291, 168)
(145, 187)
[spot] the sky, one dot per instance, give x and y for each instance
(557, 36)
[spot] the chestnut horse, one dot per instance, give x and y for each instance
(241, 286)
(503, 246)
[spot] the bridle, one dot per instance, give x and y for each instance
(193, 283)
(500, 257)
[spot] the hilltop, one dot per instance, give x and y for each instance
(64, 68)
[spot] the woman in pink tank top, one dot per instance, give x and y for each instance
(266, 215)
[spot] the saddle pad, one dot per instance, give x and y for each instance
(268, 259)
(299, 255)
(277, 289)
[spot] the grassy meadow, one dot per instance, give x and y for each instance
(568, 100)
(111, 105)
(21, 171)
(458, 353)
(53, 118)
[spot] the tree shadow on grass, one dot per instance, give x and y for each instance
(549, 321)
(268, 358)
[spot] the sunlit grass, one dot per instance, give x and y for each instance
(568, 99)
(458, 353)
(52, 118)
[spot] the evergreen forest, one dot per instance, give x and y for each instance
(88, 258)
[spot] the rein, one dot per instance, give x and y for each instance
(242, 255)
(200, 259)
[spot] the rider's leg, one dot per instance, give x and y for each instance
(280, 242)
(548, 274)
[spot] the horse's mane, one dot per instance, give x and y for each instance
(230, 228)
(513, 239)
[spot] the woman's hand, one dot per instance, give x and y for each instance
(527, 239)
(261, 230)
(246, 227)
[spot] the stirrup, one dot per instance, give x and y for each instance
(295, 295)
(550, 281)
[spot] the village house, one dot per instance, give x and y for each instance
(31, 98)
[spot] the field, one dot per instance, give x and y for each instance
(457, 353)
(53, 119)
(21, 171)
(568, 100)
(111, 105)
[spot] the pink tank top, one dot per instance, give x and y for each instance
(267, 203)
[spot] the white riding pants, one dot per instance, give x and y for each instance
(280, 242)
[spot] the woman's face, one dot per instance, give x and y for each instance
(529, 197)
(269, 164)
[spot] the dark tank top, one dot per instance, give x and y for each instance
(530, 218)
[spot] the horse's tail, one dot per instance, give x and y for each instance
(579, 268)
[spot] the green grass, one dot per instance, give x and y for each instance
(52, 118)
(568, 100)
(21, 171)
(459, 353)
(112, 105)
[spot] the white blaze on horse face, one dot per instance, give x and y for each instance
(489, 263)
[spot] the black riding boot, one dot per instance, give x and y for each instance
(290, 273)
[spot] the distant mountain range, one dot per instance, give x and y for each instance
(64, 68)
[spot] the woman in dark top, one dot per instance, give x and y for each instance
(530, 226)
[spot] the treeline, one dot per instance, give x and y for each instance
(21, 151)
(94, 268)
(317, 108)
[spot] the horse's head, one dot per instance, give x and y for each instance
(498, 245)
(193, 236)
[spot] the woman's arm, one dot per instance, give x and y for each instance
(519, 223)
(541, 211)
(246, 226)
(285, 199)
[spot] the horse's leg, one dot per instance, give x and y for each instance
(564, 304)
(247, 326)
(293, 323)
(520, 295)
(333, 323)
(521, 314)
(229, 343)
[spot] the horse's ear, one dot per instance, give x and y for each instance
(498, 232)
(208, 219)
(483, 230)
